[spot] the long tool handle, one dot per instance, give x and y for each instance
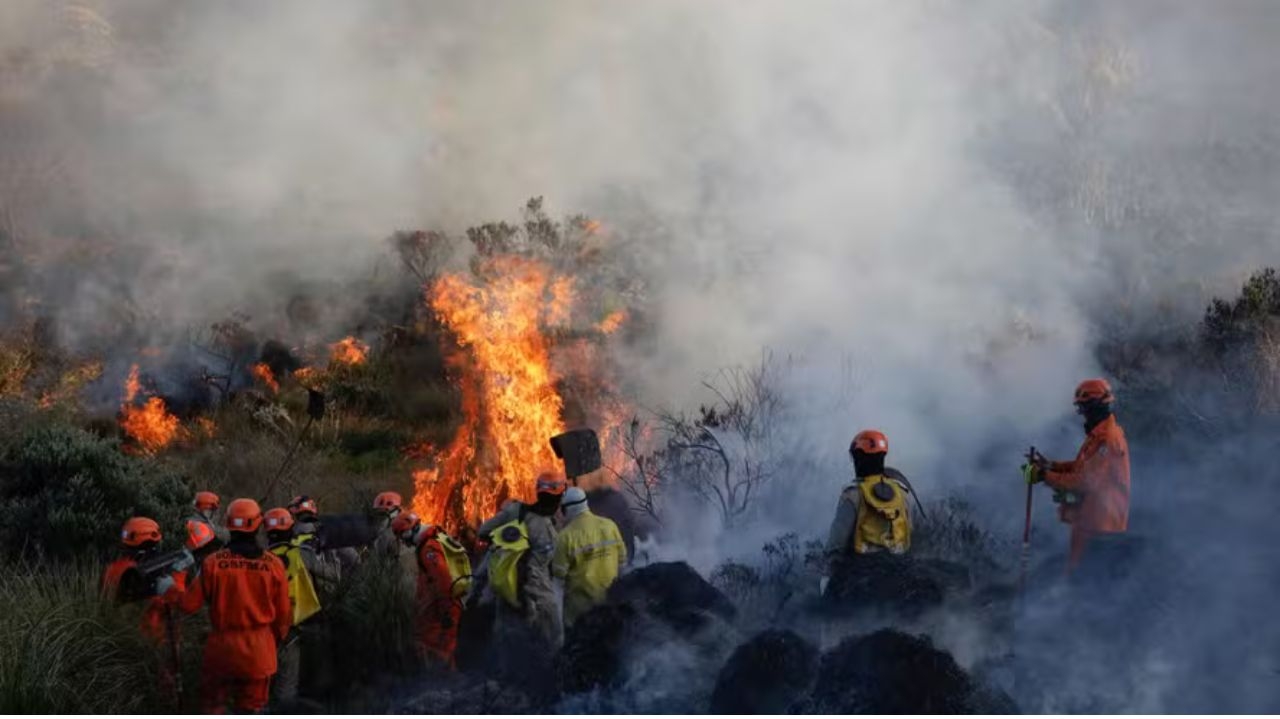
(175, 656)
(1025, 560)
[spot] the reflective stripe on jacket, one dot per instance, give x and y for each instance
(590, 552)
(1100, 475)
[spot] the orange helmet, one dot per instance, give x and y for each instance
(244, 515)
(404, 522)
(870, 441)
(550, 484)
(1094, 390)
(207, 501)
(387, 502)
(199, 534)
(302, 504)
(278, 520)
(137, 531)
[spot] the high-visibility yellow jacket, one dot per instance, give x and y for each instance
(589, 555)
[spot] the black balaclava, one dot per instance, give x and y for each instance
(867, 465)
(546, 505)
(145, 551)
(1094, 413)
(281, 536)
(245, 544)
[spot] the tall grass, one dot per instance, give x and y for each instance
(65, 650)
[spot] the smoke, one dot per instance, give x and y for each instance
(937, 210)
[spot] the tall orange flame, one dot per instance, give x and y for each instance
(150, 425)
(509, 399)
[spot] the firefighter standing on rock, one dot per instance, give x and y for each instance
(1092, 490)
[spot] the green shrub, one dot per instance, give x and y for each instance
(373, 621)
(65, 492)
(65, 650)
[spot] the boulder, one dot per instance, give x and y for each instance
(766, 675)
(888, 672)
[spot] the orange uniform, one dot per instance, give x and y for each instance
(1100, 475)
(248, 598)
(438, 613)
(152, 623)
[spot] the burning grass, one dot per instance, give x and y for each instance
(149, 426)
(349, 351)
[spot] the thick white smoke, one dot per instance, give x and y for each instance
(936, 208)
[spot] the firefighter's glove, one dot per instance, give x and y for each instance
(1032, 473)
(164, 584)
(184, 563)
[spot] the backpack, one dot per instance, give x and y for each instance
(455, 557)
(883, 520)
(302, 591)
(506, 559)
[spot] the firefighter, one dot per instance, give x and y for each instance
(247, 592)
(522, 539)
(300, 565)
(201, 542)
(306, 517)
(590, 553)
(204, 509)
(386, 507)
(444, 575)
(1092, 490)
(140, 539)
(579, 450)
(872, 521)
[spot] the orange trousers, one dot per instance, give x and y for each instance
(438, 634)
(247, 696)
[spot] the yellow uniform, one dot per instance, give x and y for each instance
(589, 555)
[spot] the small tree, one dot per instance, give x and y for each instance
(725, 451)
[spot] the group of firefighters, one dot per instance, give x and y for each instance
(260, 594)
(873, 517)
(547, 562)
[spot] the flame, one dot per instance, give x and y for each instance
(208, 427)
(610, 324)
(262, 372)
(509, 400)
(349, 351)
(150, 425)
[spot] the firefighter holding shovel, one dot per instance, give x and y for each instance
(1092, 490)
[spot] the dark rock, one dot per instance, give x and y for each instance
(889, 672)
(901, 584)
(766, 675)
(673, 592)
(593, 647)
(660, 603)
